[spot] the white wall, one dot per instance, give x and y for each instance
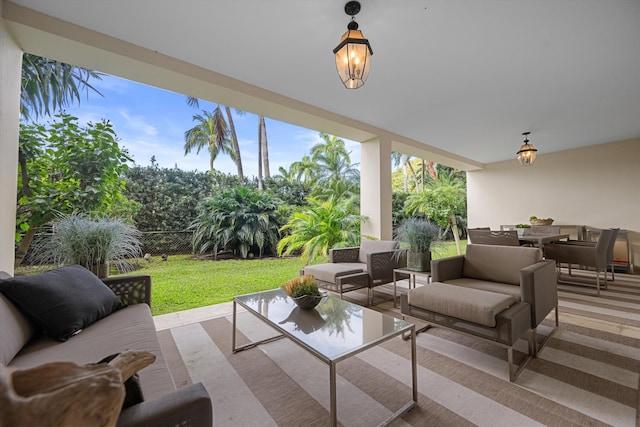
(10, 71)
(597, 186)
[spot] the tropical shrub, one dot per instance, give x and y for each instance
(241, 220)
(321, 226)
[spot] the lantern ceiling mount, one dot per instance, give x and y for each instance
(353, 53)
(527, 153)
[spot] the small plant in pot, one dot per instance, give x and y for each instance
(304, 291)
(521, 228)
(416, 236)
(93, 243)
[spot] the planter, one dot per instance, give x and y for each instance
(541, 222)
(100, 270)
(307, 302)
(520, 231)
(418, 261)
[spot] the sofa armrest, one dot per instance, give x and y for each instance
(539, 287)
(189, 407)
(344, 254)
(444, 269)
(133, 289)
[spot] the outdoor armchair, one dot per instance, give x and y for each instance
(367, 266)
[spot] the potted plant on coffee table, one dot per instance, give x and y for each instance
(304, 291)
(416, 236)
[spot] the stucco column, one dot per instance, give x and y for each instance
(10, 72)
(375, 188)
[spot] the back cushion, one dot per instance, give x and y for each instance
(369, 246)
(15, 329)
(498, 263)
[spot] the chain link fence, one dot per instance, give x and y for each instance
(167, 242)
(154, 243)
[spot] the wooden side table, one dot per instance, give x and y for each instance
(405, 273)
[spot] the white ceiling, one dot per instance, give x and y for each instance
(464, 76)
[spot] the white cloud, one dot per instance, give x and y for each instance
(137, 123)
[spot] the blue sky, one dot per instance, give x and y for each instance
(151, 122)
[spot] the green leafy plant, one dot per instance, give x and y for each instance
(241, 219)
(523, 226)
(80, 239)
(325, 224)
(417, 234)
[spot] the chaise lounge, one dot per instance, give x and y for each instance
(497, 293)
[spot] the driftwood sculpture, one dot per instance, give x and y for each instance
(66, 394)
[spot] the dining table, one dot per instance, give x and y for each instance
(540, 239)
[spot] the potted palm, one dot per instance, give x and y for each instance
(91, 242)
(416, 236)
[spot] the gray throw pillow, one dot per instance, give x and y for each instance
(61, 302)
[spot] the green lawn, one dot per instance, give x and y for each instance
(182, 282)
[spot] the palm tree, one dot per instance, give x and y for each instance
(211, 131)
(324, 225)
(234, 141)
(306, 171)
(262, 142)
(194, 102)
(333, 160)
(48, 86)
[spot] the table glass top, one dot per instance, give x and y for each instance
(334, 328)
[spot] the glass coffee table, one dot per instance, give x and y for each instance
(333, 331)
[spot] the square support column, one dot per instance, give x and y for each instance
(10, 73)
(375, 188)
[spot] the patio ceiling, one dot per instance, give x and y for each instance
(460, 79)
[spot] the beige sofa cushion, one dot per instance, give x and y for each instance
(498, 263)
(370, 246)
(483, 285)
(472, 305)
(131, 328)
(15, 330)
(329, 271)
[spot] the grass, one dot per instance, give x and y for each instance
(184, 282)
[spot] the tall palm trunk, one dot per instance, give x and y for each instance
(259, 154)
(234, 142)
(265, 148)
(454, 230)
(432, 170)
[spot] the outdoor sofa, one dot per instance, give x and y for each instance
(55, 316)
(498, 293)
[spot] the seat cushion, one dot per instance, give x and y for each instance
(484, 285)
(500, 264)
(369, 246)
(329, 271)
(15, 330)
(472, 305)
(131, 328)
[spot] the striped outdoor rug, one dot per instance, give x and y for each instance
(587, 375)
